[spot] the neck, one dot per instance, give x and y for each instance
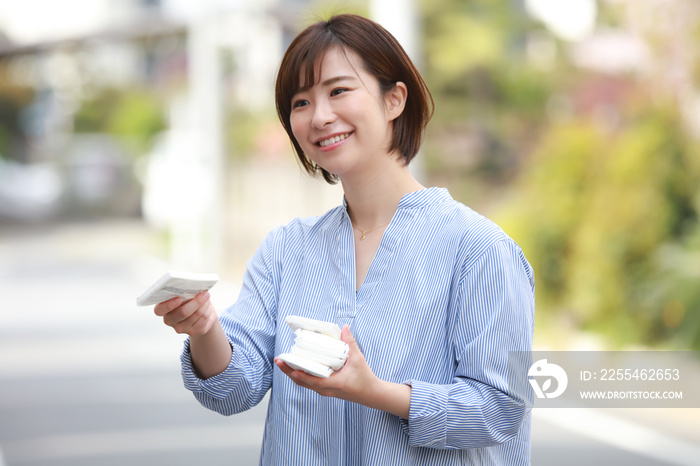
(372, 201)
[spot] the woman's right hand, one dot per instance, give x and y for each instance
(193, 317)
(209, 346)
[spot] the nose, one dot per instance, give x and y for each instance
(323, 114)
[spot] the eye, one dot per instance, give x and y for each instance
(299, 103)
(338, 91)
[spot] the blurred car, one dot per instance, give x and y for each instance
(99, 177)
(29, 192)
(90, 176)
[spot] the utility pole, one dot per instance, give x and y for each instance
(401, 19)
(197, 234)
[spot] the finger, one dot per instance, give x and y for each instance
(203, 319)
(193, 305)
(299, 377)
(288, 371)
(194, 324)
(201, 298)
(283, 366)
(166, 306)
(346, 336)
(190, 311)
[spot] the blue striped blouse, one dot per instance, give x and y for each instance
(446, 304)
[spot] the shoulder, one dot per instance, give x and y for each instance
(476, 235)
(473, 230)
(289, 242)
(301, 229)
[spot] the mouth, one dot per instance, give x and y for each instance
(333, 139)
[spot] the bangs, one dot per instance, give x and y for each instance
(299, 70)
(303, 68)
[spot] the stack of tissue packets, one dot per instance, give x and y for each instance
(318, 349)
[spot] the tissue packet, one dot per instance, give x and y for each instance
(318, 349)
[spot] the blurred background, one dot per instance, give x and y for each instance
(140, 135)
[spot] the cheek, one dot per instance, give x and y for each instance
(298, 130)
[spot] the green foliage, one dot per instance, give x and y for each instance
(244, 131)
(11, 134)
(480, 46)
(4, 142)
(600, 215)
(488, 101)
(133, 115)
(605, 209)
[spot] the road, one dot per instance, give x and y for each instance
(88, 378)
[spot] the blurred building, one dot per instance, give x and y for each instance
(113, 110)
(53, 60)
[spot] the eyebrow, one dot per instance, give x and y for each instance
(326, 83)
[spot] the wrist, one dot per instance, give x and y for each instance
(210, 352)
(394, 398)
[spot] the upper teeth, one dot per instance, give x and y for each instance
(333, 140)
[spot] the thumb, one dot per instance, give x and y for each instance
(346, 336)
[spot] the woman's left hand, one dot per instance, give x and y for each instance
(347, 383)
(355, 382)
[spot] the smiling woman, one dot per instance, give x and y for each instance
(344, 124)
(381, 56)
(435, 302)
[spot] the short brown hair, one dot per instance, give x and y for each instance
(382, 56)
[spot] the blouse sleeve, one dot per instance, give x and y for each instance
(250, 327)
(490, 396)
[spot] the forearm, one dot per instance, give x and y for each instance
(211, 352)
(394, 398)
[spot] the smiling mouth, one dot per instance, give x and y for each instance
(333, 140)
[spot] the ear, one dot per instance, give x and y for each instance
(395, 100)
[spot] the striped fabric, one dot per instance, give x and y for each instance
(447, 301)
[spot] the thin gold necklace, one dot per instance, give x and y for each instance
(364, 232)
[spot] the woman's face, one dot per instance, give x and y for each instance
(343, 122)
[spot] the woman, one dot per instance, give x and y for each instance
(435, 301)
